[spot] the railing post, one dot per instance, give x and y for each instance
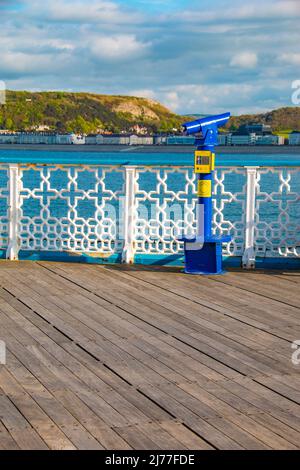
(129, 215)
(249, 253)
(13, 212)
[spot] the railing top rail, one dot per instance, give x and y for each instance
(123, 158)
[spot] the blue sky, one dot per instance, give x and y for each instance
(195, 56)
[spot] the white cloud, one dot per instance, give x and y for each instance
(143, 93)
(199, 98)
(244, 60)
(267, 10)
(122, 46)
(292, 58)
(61, 45)
(22, 64)
(172, 100)
(93, 11)
(18, 62)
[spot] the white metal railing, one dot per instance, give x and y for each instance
(107, 210)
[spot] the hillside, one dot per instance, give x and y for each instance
(279, 119)
(88, 113)
(83, 112)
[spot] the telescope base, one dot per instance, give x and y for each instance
(204, 259)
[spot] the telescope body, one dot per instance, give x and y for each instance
(209, 122)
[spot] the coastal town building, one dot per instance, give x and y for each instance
(237, 138)
(294, 138)
(255, 128)
(180, 140)
(41, 138)
(224, 139)
(240, 139)
(160, 139)
(141, 140)
(269, 139)
(8, 138)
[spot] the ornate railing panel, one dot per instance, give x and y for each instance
(165, 208)
(229, 202)
(4, 205)
(277, 217)
(71, 208)
(165, 203)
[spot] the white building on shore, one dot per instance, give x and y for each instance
(224, 139)
(269, 139)
(294, 138)
(40, 138)
(248, 139)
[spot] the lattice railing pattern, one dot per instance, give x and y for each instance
(229, 203)
(80, 209)
(277, 219)
(4, 195)
(70, 208)
(165, 208)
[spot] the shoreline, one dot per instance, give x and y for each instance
(156, 149)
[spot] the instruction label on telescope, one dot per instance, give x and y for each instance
(204, 188)
(204, 161)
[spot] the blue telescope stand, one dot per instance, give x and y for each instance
(204, 258)
(203, 252)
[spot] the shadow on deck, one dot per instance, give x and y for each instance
(111, 357)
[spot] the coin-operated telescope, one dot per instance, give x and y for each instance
(203, 252)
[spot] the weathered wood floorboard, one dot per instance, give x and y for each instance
(115, 357)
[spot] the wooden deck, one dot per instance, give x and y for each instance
(105, 357)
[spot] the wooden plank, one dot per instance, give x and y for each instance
(258, 409)
(266, 289)
(158, 366)
(176, 331)
(107, 376)
(199, 313)
(19, 428)
(193, 421)
(49, 432)
(6, 440)
(109, 438)
(221, 297)
(188, 438)
(260, 433)
(267, 399)
(162, 438)
(116, 400)
(33, 384)
(137, 439)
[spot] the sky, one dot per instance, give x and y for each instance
(194, 56)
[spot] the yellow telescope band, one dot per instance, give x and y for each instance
(204, 188)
